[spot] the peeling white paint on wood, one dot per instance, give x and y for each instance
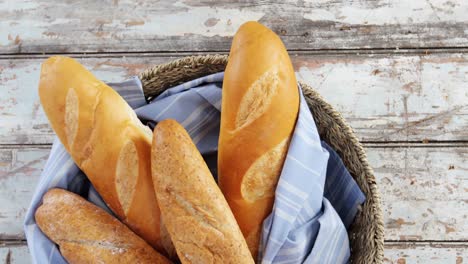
(19, 174)
(21, 116)
(17, 253)
(203, 20)
(424, 190)
(392, 98)
(395, 97)
(125, 25)
(391, 12)
(422, 253)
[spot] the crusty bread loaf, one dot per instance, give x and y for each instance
(106, 140)
(196, 214)
(260, 103)
(87, 234)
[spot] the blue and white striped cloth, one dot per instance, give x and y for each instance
(316, 198)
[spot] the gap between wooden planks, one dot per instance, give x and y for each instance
(125, 25)
(424, 189)
(297, 52)
(384, 97)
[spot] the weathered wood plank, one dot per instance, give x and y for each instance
(22, 118)
(384, 98)
(422, 253)
(16, 253)
(424, 190)
(19, 174)
(395, 253)
(395, 98)
(125, 25)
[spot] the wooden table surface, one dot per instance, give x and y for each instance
(396, 70)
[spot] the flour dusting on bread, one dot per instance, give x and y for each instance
(257, 99)
(127, 174)
(261, 178)
(71, 116)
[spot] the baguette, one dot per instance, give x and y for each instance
(87, 234)
(260, 102)
(196, 214)
(106, 140)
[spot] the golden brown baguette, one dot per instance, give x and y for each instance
(260, 103)
(106, 140)
(196, 214)
(87, 234)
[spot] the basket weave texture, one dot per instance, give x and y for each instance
(367, 232)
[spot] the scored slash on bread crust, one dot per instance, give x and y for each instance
(71, 116)
(261, 178)
(126, 174)
(260, 102)
(106, 140)
(257, 99)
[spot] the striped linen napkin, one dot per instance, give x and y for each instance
(316, 198)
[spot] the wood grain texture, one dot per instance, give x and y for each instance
(383, 97)
(424, 190)
(17, 253)
(21, 115)
(395, 253)
(125, 25)
(422, 253)
(20, 169)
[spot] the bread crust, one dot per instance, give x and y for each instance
(87, 234)
(105, 139)
(197, 216)
(260, 103)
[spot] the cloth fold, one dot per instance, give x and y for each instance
(316, 197)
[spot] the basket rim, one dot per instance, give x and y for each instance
(195, 65)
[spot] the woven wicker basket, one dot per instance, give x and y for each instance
(367, 231)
